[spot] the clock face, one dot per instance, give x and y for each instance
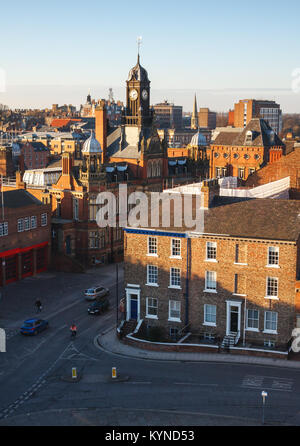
(133, 94)
(144, 94)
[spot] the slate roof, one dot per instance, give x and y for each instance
(260, 218)
(224, 139)
(261, 131)
(18, 199)
(262, 134)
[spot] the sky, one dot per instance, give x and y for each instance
(59, 51)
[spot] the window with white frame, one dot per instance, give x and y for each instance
(152, 245)
(272, 287)
(174, 309)
(176, 247)
(43, 219)
(273, 255)
(152, 274)
(211, 251)
(175, 277)
(20, 225)
(271, 321)
(210, 314)
(151, 307)
(27, 223)
(211, 280)
(3, 229)
(252, 319)
(33, 222)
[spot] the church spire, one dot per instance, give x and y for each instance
(194, 120)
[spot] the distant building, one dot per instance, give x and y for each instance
(247, 109)
(207, 118)
(113, 109)
(182, 137)
(168, 115)
(35, 155)
(194, 118)
(241, 153)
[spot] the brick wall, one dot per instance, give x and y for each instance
(251, 271)
(288, 165)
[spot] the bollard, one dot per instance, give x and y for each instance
(114, 372)
(74, 372)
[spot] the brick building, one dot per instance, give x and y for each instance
(240, 154)
(207, 118)
(286, 166)
(234, 283)
(35, 155)
(247, 109)
(25, 236)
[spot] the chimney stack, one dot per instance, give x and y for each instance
(101, 128)
(209, 190)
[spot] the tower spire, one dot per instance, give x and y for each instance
(139, 42)
(194, 120)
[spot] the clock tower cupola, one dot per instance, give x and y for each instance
(138, 97)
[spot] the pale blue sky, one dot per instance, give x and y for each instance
(64, 48)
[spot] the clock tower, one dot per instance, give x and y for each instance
(138, 111)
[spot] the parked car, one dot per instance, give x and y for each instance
(33, 326)
(95, 292)
(98, 307)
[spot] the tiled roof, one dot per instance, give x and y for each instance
(59, 122)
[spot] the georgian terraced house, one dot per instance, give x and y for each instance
(235, 283)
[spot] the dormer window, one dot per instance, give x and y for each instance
(249, 136)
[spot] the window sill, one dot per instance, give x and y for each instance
(272, 297)
(210, 291)
(272, 266)
(238, 263)
(176, 257)
(174, 319)
(270, 332)
(174, 287)
(209, 324)
(152, 284)
(241, 295)
(253, 329)
(211, 260)
(149, 316)
(152, 255)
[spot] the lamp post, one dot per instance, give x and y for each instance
(117, 292)
(264, 396)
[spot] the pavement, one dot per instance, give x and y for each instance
(109, 342)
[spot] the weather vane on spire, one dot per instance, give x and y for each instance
(139, 42)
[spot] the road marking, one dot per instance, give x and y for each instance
(137, 382)
(268, 382)
(195, 384)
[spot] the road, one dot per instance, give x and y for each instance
(35, 387)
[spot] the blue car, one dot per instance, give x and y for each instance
(33, 326)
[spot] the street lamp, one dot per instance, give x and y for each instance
(264, 396)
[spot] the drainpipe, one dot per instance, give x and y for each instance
(187, 281)
(245, 315)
